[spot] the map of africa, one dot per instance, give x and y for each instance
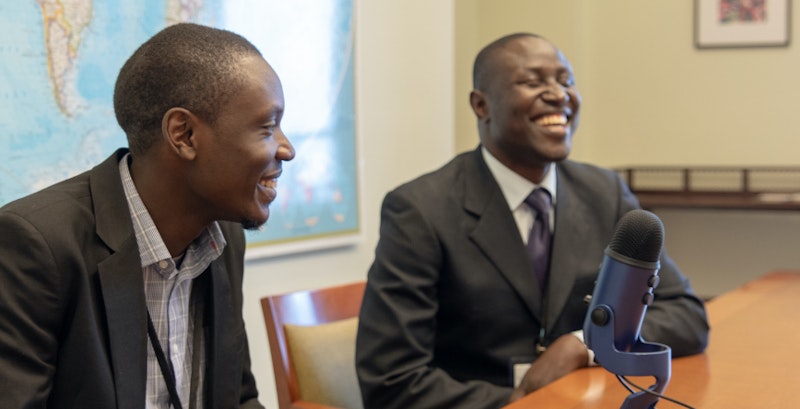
(59, 60)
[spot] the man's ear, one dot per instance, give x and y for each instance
(477, 100)
(177, 127)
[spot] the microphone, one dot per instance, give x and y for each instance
(624, 290)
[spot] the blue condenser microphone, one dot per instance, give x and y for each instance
(623, 292)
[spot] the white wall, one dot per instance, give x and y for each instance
(405, 119)
(651, 98)
(656, 99)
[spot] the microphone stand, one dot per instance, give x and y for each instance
(643, 359)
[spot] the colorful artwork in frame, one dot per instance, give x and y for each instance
(742, 23)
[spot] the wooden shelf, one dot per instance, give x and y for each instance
(742, 188)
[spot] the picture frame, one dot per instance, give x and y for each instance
(742, 23)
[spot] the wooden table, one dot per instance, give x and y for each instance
(752, 361)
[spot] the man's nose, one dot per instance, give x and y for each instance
(556, 93)
(285, 150)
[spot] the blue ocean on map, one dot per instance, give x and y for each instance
(56, 126)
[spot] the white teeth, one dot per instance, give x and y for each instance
(555, 119)
(269, 183)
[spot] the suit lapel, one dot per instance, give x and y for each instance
(496, 232)
(121, 285)
(223, 337)
(123, 297)
(571, 224)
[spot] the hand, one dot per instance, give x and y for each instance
(563, 356)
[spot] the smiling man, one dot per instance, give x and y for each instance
(122, 287)
(464, 306)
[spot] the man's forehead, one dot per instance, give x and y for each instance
(528, 47)
(524, 53)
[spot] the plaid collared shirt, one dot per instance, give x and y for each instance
(167, 287)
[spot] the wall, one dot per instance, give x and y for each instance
(405, 117)
(650, 97)
(669, 102)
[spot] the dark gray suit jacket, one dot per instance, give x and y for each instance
(451, 299)
(73, 326)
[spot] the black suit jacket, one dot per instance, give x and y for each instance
(451, 298)
(73, 326)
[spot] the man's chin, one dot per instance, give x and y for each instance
(554, 156)
(255, 220)
(253, 225)
(560, 153)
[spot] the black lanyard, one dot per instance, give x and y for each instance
(198, 294)
(166, 367)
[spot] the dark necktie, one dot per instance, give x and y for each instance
(539, 238)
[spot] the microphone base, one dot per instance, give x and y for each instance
(639, 400)
(643, 359)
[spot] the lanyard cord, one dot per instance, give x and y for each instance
(166, 368)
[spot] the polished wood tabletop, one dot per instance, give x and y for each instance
(752, 360)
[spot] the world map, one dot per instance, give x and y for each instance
(59, 60)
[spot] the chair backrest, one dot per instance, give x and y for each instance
(304, 308)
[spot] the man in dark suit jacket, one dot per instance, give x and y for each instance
(201, 109)
(452, 307)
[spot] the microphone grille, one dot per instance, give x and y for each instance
(639, 236)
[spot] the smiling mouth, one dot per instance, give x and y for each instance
(269, 183)
(552, 120)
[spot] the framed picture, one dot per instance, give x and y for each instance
(741, 23)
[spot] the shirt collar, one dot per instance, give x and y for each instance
(516, 188)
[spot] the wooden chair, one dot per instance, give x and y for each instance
(313, 308)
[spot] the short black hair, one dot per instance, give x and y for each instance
(184, 65)
(481, 66)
